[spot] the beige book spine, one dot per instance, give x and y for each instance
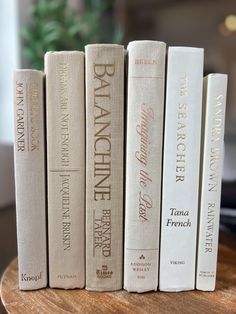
(104, 161)
(66, 167)
(146, 80)
(29, 157)
(214, 103)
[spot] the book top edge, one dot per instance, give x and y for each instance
(216, 75)
(183, 48)
(71, 52)
(141, 42)
(28, 71)
(95, 46)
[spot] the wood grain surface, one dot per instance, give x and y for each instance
(223, 300)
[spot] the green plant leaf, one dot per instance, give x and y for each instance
(74, 29)
(29, 53)
(55, 26)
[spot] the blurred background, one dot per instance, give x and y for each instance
(29, 28)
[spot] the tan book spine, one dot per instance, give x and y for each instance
(146, 80)
(66, 167)
(29, 157)
(104, 161)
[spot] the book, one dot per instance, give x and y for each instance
(146, 81)
(214, 103)
(29, 162)
(181, 164)
(66, 168)
(104, 161)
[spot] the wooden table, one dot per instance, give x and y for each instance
(50, 301)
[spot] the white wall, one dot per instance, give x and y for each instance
(9, 60)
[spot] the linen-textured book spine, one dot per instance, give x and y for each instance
(29, 158)
(146, 79)
(181, 166)
(104, 162)
(66, 168)
(215, 88)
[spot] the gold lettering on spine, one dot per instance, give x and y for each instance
(102, 233)
(146, 61)
(102, 146)
(182, 115)
(65, 209)
(210, 227)
(27, 119)
(65, 116)
(34, 117)
(65, 178)
(214, 169)
(142, 154)
(180, 218)
(102, 136)
(20, 116)
(215, 150)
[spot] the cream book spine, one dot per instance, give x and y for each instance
(146, 81)
(181, 165)
(214, 101)
(30, 184)
(104, 162)
(66, 168)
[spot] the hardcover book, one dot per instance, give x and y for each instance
(29, 160)
(181, 168)
(146, 79)
(104, 161)
(66, 168)
(214, 100)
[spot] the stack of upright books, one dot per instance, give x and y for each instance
(88, 170)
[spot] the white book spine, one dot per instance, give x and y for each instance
(215, 87)
(29, 155)
(181, 168)
(66, 168)
(146, 78)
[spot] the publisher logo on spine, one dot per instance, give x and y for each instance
(25, 277)
(104, 272)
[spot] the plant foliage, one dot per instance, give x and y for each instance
(56, 26)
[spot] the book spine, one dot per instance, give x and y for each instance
(181, 168)
(66, 168)
(146, 79)
(215, 87)
(104, 160)
(29, 159)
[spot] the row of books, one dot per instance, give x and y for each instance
(94, 166)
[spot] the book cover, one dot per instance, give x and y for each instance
(181, 164)
(29, 162)
(66, 168)
(214, 103)
(104, 162)
(146, 80)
